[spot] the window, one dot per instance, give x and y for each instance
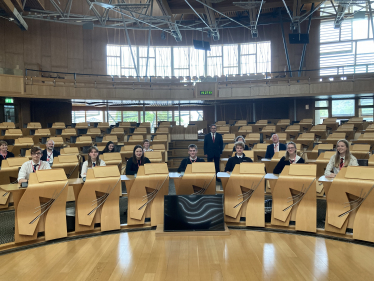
(9, 113)
(366, 108)
(94, 116)
(321, 112)
(78, 116)
(164, 116)
(196, 115)
(230, 59)
(322, 103)
(130, 116)
(163, 61)
(214, 58)
(343, 108)
(150, 116)
(114, 117)
(347, 49)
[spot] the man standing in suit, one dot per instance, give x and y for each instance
(275, 147)
(213, 146)
(49, 153)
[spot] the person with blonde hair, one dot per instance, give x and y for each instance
(291, 157)
(240, 138)
(342, 158)
(93, 161)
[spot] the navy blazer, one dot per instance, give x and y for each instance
(44, 156)
(270, 150)
(213, 149)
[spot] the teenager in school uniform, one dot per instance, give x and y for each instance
(136, 160)
(291, 157)
(32, 166)
(192, 158)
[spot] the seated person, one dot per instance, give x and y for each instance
(238, 158)
(93, 161)
(49, 154)
(4, 151)
(192, 151)
(290, 158)
(108, 148)
(240, 138)
(275, 147)
(32, 166)
(146, 146)
(343, 158)
(136, 160)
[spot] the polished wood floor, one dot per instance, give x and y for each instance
(245, 255)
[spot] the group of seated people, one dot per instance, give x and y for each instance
(41, 160)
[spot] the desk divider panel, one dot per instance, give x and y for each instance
(294, 196)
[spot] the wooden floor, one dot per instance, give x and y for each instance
(245, 255)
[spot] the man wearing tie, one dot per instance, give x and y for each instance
(32, 166)
(275, 147)
(213, 146)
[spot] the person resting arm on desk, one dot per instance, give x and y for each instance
(108, 148)
(240, 138)
(238, 158)
(146, 146)
(93, 161)
(343, 158)
(291, 157)
(5, 154)
(136, 160)
(32, 166)
(192, 152)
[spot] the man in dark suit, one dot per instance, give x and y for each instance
(213, 146)
(275, 147)
(49, 153)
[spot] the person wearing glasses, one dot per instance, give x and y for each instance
(291, 157)
(32, 166)
(5, 154)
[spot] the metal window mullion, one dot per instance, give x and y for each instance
(137, 59)
(206, 63)
(172, 61)
(239, 61)
(222, 73)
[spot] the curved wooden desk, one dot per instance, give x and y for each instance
(244, 194)
(350, 203)
(199, 177)
(146, 194)
(97, 200)
(294, 197)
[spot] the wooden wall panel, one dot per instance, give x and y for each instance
(33, 45)
(2, 43)
(59, 47)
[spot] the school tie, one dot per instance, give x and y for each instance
(341, 163)
(291, 161)
(93, 164)
(35, 166)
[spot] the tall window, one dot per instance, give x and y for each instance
(114, 117)
(214, 59)
(348, 49)
(94, 116)
(78, 116)
(343, 108)
(321, 111)
(230, 59)
(365, 107)
(130, 116)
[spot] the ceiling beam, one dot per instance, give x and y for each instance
(211, 18)
(165, 9)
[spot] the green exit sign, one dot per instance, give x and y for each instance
(204, 93)
(8, 100)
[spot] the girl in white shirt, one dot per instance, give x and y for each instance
(342, 158)
(93, 161)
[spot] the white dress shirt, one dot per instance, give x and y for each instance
(149, 149)
(50, 157)
(241, 156)
(213, 135)
(276, 147)
(85, 167)
(27, 169)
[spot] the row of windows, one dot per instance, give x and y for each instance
(137, 116)
(186, 61)
(343, 109)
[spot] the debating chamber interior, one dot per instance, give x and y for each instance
(186, 140)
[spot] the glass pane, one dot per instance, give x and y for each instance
(366, 111)
(114, 66)
(230, 56)
(343, 108)
(163, 61)
(151, 71)
(114, 117)
(322, 103)
(130, 116)
(78, 116)
(197, 62)
(127, 63)
(164, 116)
(248, 64)
(185, 118)
(94, 116)
(263, 57)
(176, 117)
(246, 49)
(196, 115)
(366, 101)
(320, 114)
(9, 113)
(150, 116)
(215, 61)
